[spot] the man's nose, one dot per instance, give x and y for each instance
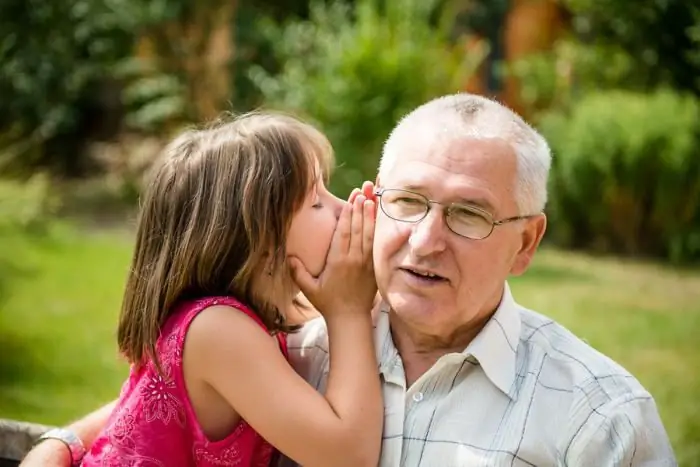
(428, 236)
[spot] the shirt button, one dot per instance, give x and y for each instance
(417, 397)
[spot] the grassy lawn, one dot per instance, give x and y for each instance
(58, 311)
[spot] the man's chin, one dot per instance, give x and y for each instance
(409, 303)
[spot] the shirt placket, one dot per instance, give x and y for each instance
(418, 404)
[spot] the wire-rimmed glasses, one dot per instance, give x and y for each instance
(463, 219)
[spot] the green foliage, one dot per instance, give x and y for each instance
(626, 173)
(254, 48)
(659, 36)
(25, 206)
(355, 70)
(55, 61)
(612, 46)
(151, 96)
(554, 78)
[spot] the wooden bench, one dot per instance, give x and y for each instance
(16, 439)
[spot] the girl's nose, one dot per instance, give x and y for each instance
(338, 205)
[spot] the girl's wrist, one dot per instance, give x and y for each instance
(349, 314)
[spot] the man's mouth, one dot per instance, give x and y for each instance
(424, 275)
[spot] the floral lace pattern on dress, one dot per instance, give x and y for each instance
(154, 424)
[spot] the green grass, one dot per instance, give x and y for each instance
(61, 295)
(58, 310)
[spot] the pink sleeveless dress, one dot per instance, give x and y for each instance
(154, 425)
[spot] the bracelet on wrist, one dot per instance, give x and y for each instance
(75, 446)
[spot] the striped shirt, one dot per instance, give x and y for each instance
(525, 392)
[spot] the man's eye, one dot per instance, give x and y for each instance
(409, 201)
(468, 216)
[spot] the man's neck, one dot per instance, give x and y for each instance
(419, 351)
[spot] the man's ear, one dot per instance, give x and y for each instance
(376, 307)
(531, 237)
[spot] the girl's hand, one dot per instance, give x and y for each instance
(347, 282)
(367, 190)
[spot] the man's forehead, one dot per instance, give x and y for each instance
(465, 168)
(456, 154)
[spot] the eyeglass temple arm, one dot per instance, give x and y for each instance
(514, 218)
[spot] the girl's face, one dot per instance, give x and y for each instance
(312, 228)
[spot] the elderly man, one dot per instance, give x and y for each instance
(470, 377)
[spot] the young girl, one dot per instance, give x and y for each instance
(235, 221)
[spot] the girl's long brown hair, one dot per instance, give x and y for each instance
(214, 217)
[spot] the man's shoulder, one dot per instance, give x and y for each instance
(573, 362)
(605, 414)
(308, 351)
(312, 336)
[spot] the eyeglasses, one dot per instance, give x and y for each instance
(464, 220)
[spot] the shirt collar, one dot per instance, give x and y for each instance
(494, 347)
(385, 350)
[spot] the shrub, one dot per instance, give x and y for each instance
(25, 206)
(25, 212)
(355, 70)
(626, 174)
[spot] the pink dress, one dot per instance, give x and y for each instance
(154, 425)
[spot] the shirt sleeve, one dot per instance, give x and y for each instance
(625, 431)
(308, 355)
(308, 352)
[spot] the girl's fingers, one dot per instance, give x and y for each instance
(340, 244)
(303, 278)
(353, 195)
(368, 190)
(368, 228)
(356, 223)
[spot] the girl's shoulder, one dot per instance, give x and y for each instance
(186, 311)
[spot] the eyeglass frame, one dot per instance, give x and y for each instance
(429, 202)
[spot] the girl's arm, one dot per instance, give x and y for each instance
(244, 364)
(54, 453)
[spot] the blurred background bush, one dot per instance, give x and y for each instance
(91, 90)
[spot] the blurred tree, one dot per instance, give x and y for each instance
(254, 48)
(192, 45)
(661, 38)
(69, 74)
(618, 99)
(356, 69)
(626, 173)
(612, 46)
(53, 61)
(486, 21)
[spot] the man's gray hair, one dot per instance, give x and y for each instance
(468, 115)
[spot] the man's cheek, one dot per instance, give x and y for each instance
(389, 232)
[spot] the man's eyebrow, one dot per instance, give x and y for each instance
(478, 202)
(413, 187)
